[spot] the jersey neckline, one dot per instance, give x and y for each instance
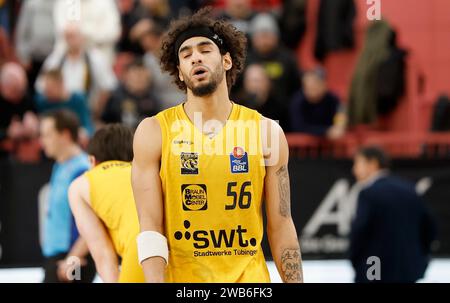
(231, 116)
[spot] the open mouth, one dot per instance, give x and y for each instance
(199, 72)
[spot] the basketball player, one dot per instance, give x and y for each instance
(199, 176)
(103, 206)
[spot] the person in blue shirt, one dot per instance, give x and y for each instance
(59, 137)
(55, 96)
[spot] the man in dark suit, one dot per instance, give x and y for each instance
(391, 223)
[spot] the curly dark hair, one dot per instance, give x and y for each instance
(234, 41)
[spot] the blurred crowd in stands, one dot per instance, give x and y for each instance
(105, 68)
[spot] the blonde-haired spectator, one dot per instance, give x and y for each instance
(84, 68)
(99, 20)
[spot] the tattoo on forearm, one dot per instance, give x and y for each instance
(291, 265)
(284, 191)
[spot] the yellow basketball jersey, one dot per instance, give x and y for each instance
(213, 191)
(113, 202)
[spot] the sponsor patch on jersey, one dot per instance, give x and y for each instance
(239, 160)
(194, 197)
(189, 163)
(188, 142)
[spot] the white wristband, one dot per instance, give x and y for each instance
(152, 244)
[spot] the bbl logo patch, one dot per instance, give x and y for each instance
(194, 197)
(239, 160)
(189, 163)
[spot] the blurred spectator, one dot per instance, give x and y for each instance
(4, 16)
(257, 94)
(100, 24)
(35, 36)
(256, 5)
(278, 62)
(239, 13)
(187, 7)
(273, 6)
(6, 51)
(127, 10)
(162, 83)
(334, 27)
(378, 80)
(293, 22)
(18, 123)
(59, 136)
(156, 10)
(391, 223)
(84, 69)
(7, 21)
(315, 110)
(9, 10)
(133, 100)
(55, 96)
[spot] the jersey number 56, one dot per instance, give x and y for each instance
(243, 199)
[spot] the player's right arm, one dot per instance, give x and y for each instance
(147, 189)
(93, 231)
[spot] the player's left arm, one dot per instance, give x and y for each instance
(281, 231)
(92, 231)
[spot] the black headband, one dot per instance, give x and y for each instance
(201, 31)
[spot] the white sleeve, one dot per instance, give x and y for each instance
(23, 32)
(102, 25)
(59, 18)
(103, 74)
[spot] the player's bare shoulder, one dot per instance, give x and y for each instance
(147, 139)
(275, 147)
(271, 126)
(79, 191)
